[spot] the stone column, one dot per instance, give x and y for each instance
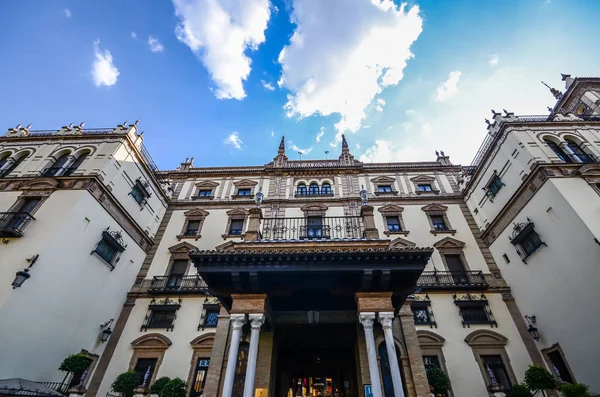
(253, 230)
(236, 321)
(9, 161)
(256, 321)
(366, 211)
(413, 350)
(386, 319)
(367, 319)
(66, 165)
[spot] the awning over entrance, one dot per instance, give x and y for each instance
(308, 278)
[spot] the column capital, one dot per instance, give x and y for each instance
(237, 321)
(256, 320)
(386, 319)
(366, 319)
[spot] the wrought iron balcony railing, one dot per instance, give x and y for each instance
(466, 279)
(313, 228)
(12, 224)
(177, 283)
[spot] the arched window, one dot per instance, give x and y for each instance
(56, 166)
(578, 152)
(240, 370)
(559, 152)
(313, 189)
(325, 188)
(14, 165)
(76, 164)
(301, 189)
(386, 373)
(3, 160)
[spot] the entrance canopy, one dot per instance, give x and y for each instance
(304, 277)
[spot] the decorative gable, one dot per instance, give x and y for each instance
(422, 179)
(314, 208)
(181, 248)
(237, 211)
(207, 184)
(390, 208)
(400, 242)
(196, 213)
(434, 208)
(449, 243)
(383, 180)
(245, 183)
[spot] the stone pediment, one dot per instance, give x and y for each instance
(40, 184)
(383, 179)
(434, 208)
(430, 339)
(486, 338)
(152, 341)
(400, 242)
(245, 183)
(237, 211)
(196, 212)
(391, 208)
(182, 248)
(449, 242)
(206, 184)
(422, 179)
(314, 207)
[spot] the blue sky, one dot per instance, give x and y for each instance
(202, 75)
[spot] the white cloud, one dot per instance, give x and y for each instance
(380, 105)
(320, 134)
(494, 60)
(220, 32)
(155, 45)
(297, 149)
(385, 151)
(67, 13)
(267, 86)
(234, 140)
(134, 35)
(358, 146)
(272, 133)
(448, 88)
(104, 72)
(343, 53)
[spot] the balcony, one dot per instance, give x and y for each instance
(176, 283)
(441, 280)
(12, 224)
(313, 228)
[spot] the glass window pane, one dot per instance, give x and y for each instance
(236, 227)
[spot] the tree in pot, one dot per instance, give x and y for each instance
(159, 385)
(539, 379)
(174, 388)
(438, 381)
(574, 390)
(126, 383)
(75, 364)
(519, 391)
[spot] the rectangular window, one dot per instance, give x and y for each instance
(244, 192)
(560, 366)
(474, 314)
(506, 258)
(109, 248)
(496, 371)
(438, 222)
(138, 194)
(211, 317)
(143, 366)
(204, 193)
(530, 242)
(431, 361)
(161, 318)
(29, 205)
(384, 188)
(192, 228)
(424, 187)
(314, 227)
(178, 269)
(421, 315)
(199, 380)
(393, 223)
(457, 269)
(236, 227)
(494, 186)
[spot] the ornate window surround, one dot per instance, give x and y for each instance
(205, 185)
(395, 211)
(244, 184)
(384, 180)
(236, 214)
(115, 239)
(308, 182)
(556, 348)
(423, 302)
(314, 210)
(180, 252)
(473, 300)
(487, 188)
(441, 210)
(520, 231)
(202, 346)
(425, 179)
(451, 246)
(591, 174)
(486, 342)
(163, 304)
(432, 345)
(143, 186)
(209, 303)
(39, 188)
(149, 346)
(196, 214)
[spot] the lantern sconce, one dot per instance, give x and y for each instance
(105, 334)
(23, 275)
(258, 198)
(364, 196)
(531, 321)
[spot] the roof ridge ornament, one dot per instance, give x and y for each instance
(556, 93)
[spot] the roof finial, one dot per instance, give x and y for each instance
(556, 93)
(345, 148)
(281, 150)
(564, 76)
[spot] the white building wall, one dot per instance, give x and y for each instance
(558, 284)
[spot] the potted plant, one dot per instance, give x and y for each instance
(539, 379)
(438, 381)
(159, 385)
(519, 391)
(126, 383)
(574, 390)
(74, 364)
(174, 388)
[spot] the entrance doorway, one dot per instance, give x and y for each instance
(316, 360)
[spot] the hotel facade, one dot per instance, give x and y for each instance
(305, 277)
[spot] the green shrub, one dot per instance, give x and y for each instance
(519, 391)
(574, 390)
(126, 383)
(159, 385)
(438, 380)
(75, 363)
(174, 388)
(539, 379)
